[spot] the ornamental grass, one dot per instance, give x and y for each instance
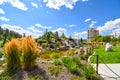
(29, 53)
(12, 53)
(21, 53)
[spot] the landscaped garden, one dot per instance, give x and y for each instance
(107, 56)
(20, 63)
(52, 57)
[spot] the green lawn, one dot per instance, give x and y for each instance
(107, 57)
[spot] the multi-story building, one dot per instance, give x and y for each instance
(92, 33)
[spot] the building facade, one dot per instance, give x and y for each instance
(92, 33)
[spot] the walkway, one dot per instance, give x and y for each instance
(106, 73)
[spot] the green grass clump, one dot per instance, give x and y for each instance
(6, 77)
(72, 63)
(75, 77)
(57, 62)
(35, 77)
(8, 74)
(107, 57)
(88, 71)
(1, 54)
(55, 70)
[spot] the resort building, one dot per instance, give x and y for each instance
(92, 33)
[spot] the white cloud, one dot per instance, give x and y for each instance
(15, 3)
(34, 30)
(35, 33)
(56, 4)
(44, 27)
(72, 25)
(1, 11)
(84, 0)
(92, 23)
(110, 26)
(13, 28)
(88, 19)
(79, 35)
(60, 30)
(34, 5)
(4, 19)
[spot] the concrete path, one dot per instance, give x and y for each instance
(106, 73)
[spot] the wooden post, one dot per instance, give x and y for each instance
(97, 64)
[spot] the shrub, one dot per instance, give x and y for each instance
(84, 57)
(1, 54)
(88, 71)
(71, 63)
(55, 70)
(6, 78)
(77, 60)
(35, 77)
(8, 74)
(57, 62)
(29, 53)
(12, 53)
(74, 77)
(54, 55)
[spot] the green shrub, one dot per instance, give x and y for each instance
(8, 74)
(54, 56)
(97, 77)
(57, 62)
(88, 71)
(6, 77)
(77, 60)
(84, 57)
(75, 77)
(73, 67)
(1, 54)
(35, 77)
(71, 63)
(55, 70)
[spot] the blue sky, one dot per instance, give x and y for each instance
(72, 17)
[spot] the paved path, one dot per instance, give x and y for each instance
(106, 73)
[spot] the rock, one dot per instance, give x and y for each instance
(1, 71)
(82, 50)
(2, 59)
(108, 47)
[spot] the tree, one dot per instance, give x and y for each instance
(81, 40)
(106, 39)
(63, 36)
(119, 38)
(98, 38)
(48, 37)
(6, 33)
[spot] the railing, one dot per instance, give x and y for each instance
(97, 63)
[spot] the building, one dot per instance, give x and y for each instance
(92, 33)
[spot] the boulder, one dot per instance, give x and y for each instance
(108, 47)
